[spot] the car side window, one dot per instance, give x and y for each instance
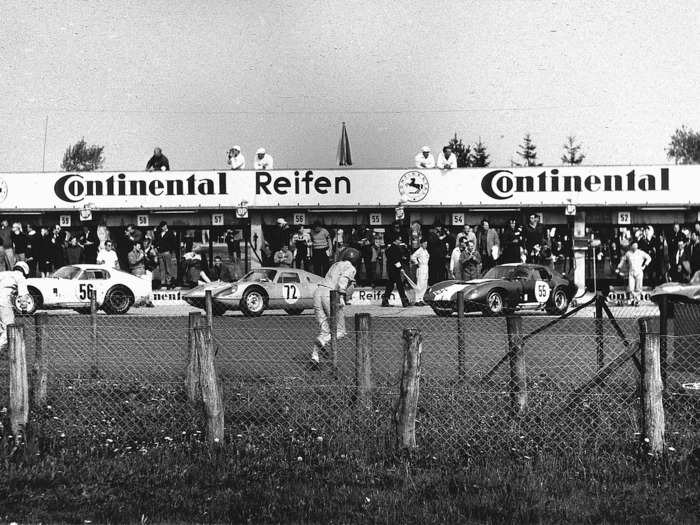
(289, 277)
(520, 273)
(544, 274)
(95, 274)
(533, 275)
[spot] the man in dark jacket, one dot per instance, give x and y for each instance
(166, 245)
(158, 162)
(533, 233)
(396, 260)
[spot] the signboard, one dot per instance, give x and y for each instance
(86, 214)
(142, 221)
(570, 210)
(299, 219)
(64, 221)
(458, 219)
(400, 213)
(242, 212)
(217, 219)
(619, 186)
(375, 219)
(624, 217)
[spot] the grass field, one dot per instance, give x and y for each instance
(119, 443)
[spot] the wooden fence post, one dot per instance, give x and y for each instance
(209, 309)
(39, 369)
(517, 386)
(663, 335)
(19, 382)
(461, 371)
(407, 403)
(599, 337)
(211, 386)
(363, 352)
(94, 351)
(192, 385)
(333, 323)
(653, 419)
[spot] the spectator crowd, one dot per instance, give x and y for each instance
(469, 252)
(423, 254)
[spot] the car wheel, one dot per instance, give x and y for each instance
(34, 301)
(494, 303)
(294, 311)
(559, 303)
(442, 312)
(253, 303)
(117, 300)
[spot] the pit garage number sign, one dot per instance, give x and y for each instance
(299, 219)
(217, 219)
(542, 291)
(142, 220)
(457, 219)
(375, 219)
(624, 217)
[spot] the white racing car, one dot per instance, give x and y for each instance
(261, 289)
(72, 286)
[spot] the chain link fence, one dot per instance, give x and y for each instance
(123, 379)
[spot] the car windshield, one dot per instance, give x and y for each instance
(500, 272)
(67, 272)
(259, 275)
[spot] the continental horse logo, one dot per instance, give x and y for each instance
(413, 186)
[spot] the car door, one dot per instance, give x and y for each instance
(89, 281)
(290, 291)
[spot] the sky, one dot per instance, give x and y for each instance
(196, 77)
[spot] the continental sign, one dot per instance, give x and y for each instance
(351, 188)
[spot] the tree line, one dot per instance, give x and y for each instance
(684, 148)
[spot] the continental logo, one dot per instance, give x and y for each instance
(504, 184)
(75, 187)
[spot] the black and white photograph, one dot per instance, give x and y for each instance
(336, 262)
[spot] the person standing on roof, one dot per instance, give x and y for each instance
(425, 159)
(235, 158)
(263, 160)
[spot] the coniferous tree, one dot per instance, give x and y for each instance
(528, 152)
(480, 159)
(572, 152)
(462, 150)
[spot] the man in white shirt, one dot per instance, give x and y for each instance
(455, 265)
(425, 159)
(447, 160)
(420, 258)
(236, 159)
(635, 261)
(263, 161)
(108, 257)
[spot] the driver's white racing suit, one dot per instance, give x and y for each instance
(340, 277)
(10, 283)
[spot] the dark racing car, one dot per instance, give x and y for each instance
(503, 289)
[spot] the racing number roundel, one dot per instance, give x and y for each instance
(291, 293)
(542, 291)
